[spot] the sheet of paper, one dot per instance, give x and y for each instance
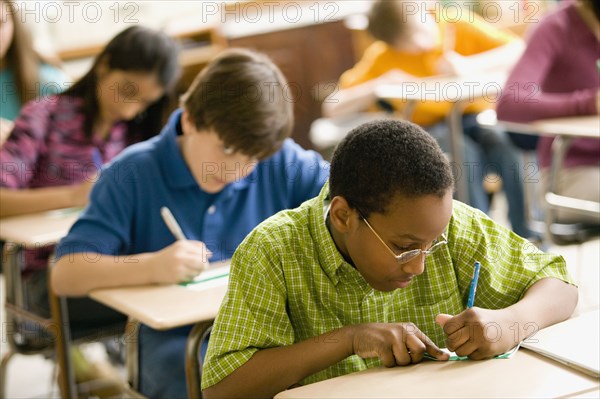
(217, 274)
(455, 357)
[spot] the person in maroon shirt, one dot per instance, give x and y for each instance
(59, 142)
(558, 76)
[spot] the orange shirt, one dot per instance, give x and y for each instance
(472, 35)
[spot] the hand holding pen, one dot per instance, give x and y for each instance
(180, 261)
(473, 286)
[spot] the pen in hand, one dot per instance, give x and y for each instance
(172, 223)
(473, 288)
(174, 227)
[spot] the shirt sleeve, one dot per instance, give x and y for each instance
(509, 264)
(375, 62)
(253, 314)
(474, 35)
(20, 153)
(522, 99)
(105, 225)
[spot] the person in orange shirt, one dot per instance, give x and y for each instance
(416, 40)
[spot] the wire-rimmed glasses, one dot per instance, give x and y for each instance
(407, 256)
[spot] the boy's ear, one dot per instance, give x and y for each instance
(186, 123)
(341, 216)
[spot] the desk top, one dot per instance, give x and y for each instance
(578, 126)
(572, 126)
(164, 306)
(525, 375)
(167, 306)
(38, 229)
(446, 88)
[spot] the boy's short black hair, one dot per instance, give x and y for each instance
(381, 159)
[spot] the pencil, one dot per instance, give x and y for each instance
(171, 223)
(473, 288)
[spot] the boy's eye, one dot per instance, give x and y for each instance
(228, 150)
(402, 248)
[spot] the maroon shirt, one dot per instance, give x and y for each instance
(557, 76)
(48, 148)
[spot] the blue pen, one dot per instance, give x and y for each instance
(473, 288)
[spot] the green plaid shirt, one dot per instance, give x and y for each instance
(289, 283)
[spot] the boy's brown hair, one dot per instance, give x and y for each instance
(386, 20)
(240, 95)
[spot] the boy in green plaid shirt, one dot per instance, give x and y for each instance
(376, 271)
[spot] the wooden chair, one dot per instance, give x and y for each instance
(18, 339)
(52, 335)
(193, 357)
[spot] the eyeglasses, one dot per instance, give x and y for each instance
(407, 256)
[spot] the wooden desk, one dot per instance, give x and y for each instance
(574, 126)
(43, 228)
(166, 306)
(579, 126)
(525, 375)
(459, 91)
(565, 130)
(29, 232)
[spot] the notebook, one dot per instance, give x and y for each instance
(574, 342)
(217, 274)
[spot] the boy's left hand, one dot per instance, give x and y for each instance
(479, 333)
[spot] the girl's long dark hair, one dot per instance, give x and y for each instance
(136, 49)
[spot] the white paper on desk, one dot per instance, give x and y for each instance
(574, 342)
(216, 275)
(454, 356)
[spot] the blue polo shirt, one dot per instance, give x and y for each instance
(123, 216)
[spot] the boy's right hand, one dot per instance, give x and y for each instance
(179, 262)
(395, 344)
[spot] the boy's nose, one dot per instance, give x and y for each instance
(416, 266)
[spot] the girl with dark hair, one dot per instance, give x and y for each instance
(58, 141)
(51, 159)
(133, 66)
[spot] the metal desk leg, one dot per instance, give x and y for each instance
(458, 157)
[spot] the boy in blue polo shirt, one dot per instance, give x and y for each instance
(223, 163)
